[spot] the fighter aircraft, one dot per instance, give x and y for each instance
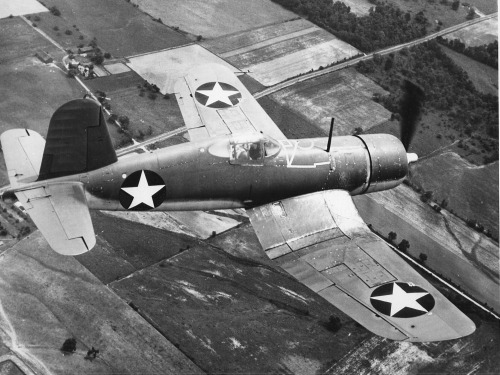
(297, 193)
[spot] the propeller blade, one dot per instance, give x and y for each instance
(410, 108)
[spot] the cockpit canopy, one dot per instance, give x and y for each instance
(252, 150)
(246, 149)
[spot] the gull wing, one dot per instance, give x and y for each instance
(321, 240)
(60, 212)
(214, 102)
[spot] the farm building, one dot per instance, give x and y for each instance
(44, 57)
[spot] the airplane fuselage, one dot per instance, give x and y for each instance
(209, 175)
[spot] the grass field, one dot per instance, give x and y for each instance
(58, 299)
(31, 90)
(148, 117)
(120, 28)
(345, 95)
(485, 6)
(215, 18)
(433, 10)
(358, 7)
(236, 315)
(478, 34)
(484, 77)
(67, 35)
(452, 178)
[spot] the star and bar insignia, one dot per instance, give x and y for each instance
(402, 300)
(217, 95)
(142, 190)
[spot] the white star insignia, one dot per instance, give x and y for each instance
(399, 299)
(142, 193)
(218, 94)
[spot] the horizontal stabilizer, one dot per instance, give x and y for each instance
(60, 211)
(23, 150)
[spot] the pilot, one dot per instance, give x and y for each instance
(255, 152)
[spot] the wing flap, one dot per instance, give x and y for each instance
(60, 212)
(334, 253)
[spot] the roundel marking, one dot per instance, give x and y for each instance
(402, 300)
(142, 190)
(217, 95)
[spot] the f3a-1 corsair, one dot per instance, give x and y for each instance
(297, 194)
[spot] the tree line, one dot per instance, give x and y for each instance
(447, 87)
(384, 26)
(486, 53)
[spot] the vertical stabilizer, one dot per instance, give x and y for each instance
(77, 141)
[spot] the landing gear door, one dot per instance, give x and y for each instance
(250, 153)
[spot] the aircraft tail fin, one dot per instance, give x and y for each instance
(23, 150)
(78, 140)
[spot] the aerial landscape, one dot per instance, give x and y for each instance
(198, 291)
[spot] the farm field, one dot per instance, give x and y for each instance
(249, 303)
(197, 224)
(36, 319)
(452, 178)
(18, 8)
(484, 77)
(31, 90)
(212, 19)
(166, 67)
(237, 315)
(478, 34)
(120, 28)
(467, 258)
(345, 95)
(277, 52)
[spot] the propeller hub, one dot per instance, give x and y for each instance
(411, 157)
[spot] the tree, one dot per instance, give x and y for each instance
(124, 121)
(69, 346)
(422, 257)
(471, 14)
(455, 5)
(55, 11)
(358, 130)
(334, 323)
(112, 118)
(427, 196)
(404, 245)
(392, 236)
(72, 72)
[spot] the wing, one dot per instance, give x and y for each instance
(60, 211)
(214, 102)
(335, 254)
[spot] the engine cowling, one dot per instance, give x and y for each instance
(388, 161)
